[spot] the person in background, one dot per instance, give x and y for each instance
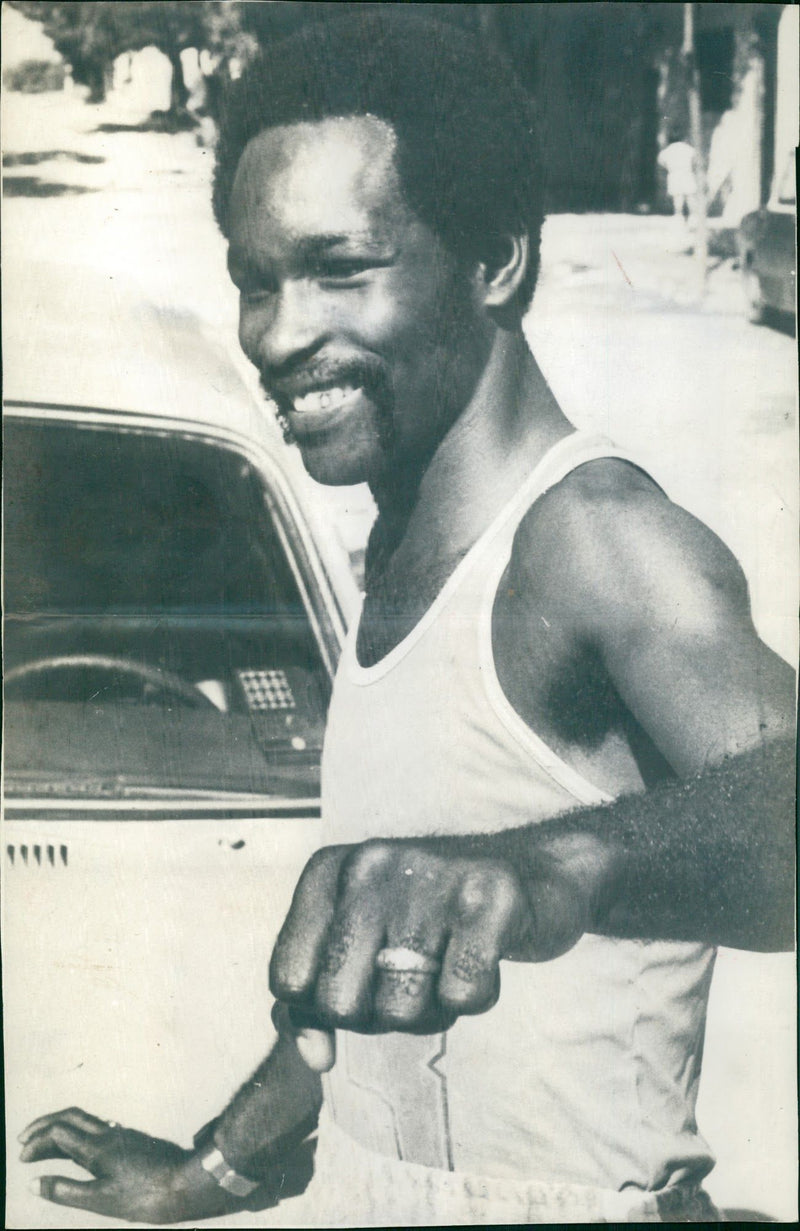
(679, 162)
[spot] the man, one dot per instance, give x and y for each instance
(678, 160)
(555, 739)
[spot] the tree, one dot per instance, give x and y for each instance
(83, 34)
(90, 35)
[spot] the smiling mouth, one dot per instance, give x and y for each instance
(317, 401)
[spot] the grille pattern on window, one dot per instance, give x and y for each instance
(267, 689)
(36, 855)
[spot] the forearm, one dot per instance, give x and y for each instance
(709, 859)
(273, 1111)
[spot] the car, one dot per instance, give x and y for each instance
(767, 251)
(174, 611)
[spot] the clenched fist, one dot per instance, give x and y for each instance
(408, 935)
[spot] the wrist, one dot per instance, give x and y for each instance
(217, 1166)
(591, 868)
(571, 881)
(198, 1194)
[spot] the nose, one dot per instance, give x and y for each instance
(281, 327)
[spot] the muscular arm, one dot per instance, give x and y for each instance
(657, 598)
(609, 564)
(709, 859)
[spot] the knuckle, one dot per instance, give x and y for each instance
(476, 891)
(459, 998)
(284, 987)
(402, 996)
(321, 860)
(338, 1012)
(475, 995)
(367, 863)
(488, 889)
(398, 1017)
(286, 983)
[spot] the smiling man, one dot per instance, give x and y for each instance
(555, 740)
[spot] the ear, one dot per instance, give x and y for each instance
(504, 271)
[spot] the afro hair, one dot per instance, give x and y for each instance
(467, 152)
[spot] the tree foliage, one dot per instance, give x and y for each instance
(91, 34)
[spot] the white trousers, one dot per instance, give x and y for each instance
(355, 1187)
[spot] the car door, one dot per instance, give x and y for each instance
(170, 634)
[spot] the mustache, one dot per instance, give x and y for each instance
(367, 372)
(293, 380)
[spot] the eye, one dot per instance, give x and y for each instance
(251, 283)
(255, 289)
(342, 269)
(254, 294)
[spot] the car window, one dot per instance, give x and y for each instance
(156, 639)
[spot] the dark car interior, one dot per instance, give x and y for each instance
(155, 635)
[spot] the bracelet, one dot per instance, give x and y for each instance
(214, 1162)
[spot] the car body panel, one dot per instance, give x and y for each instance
(767, 250)
(135, 980)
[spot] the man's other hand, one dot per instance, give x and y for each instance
(408, 935)
(134, 1177)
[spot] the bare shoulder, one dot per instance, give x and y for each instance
(606, 565)
(607, 545)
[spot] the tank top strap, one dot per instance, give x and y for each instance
(560, 460)
(565, 456)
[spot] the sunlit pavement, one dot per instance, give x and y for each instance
(703, 398)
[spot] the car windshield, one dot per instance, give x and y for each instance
(156, 641)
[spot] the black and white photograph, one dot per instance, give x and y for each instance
(400, 591)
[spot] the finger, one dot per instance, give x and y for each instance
(484, 913)
(62, 1141)
(406, 999)
(344, 993)
(316, 1047)
(70, 1115)
(300, 944)
(83, 1194)
(39, 1149)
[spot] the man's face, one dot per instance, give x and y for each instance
(366, 331)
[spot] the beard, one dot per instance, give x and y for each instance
(368, 373)
(280, 417)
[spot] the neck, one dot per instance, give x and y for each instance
(510, 422)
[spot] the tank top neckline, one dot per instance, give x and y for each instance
(555, 464)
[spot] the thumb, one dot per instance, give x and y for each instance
(316, 1047)
(82, 1194)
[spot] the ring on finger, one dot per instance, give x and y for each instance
(112, 1124)
(403, 960)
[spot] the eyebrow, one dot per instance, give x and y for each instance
(312, 247)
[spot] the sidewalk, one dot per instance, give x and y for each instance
(634, 260)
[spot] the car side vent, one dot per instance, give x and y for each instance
(36, 855)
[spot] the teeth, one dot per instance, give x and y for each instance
(322, 399)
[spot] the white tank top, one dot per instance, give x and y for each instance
(586, 1070)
